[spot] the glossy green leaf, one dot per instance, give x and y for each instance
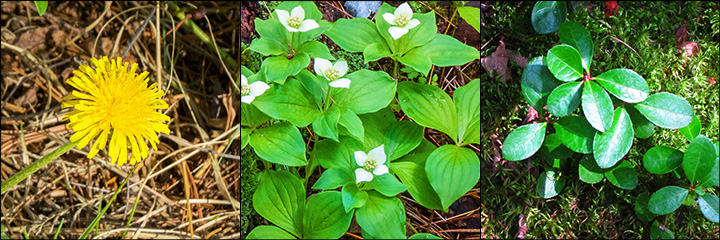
(699, 158)
(662, 159)
(279, 68)
(656, 232)
(575, 35)
(565, 62)
(401, 138)
(713, 177)
(625, 84)
(692, 130)
(597, 106)
(549, 184)
(710, 207)
(471, 15)
(280, 198)
(334, 154)
(288, 102)
(324, 216)
(354, 35)
(537, 83)
(352, 197)
(548, 15)
(269, 232)
(386, 184)
(589, 171)
(623, 175)
(326, 124)
(429, 106)
(667, 199)
(333, 178)
(553, 148)
(524, 141)
(279, 143)
(612, 145)
(369, 91)
(565, 99)
(452, 172)
(641, 125)
(467, 103)
(424, 236)
(576, 133)
(666, 110)
(268, 46)
(413, 175)
(641, 208)
(382, 217)
(353, 124)
(376, 51)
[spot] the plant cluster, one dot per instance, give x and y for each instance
(362, 149)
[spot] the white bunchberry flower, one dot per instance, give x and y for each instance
(295, 21)
(402, 19)
(333, 73)
(372, 163)
(250, 91)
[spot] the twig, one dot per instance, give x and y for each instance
(621, 41)
(138, 33)
(439, 14)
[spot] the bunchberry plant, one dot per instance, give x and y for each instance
(366, 157)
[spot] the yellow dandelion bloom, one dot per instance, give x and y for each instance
(115, 103)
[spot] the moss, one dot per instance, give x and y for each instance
(249, 219)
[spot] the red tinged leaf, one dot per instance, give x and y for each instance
(611, 8)
(681, 34)
(712, 81)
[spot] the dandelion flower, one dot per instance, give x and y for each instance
(295, 20)
(333, 73)
(402, 19)
(117, 104)
(372, 163)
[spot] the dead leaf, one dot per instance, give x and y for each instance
(29, 97)
(522, 227)
(689, 49)
(497, 63)
(681, 34)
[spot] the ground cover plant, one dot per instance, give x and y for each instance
(331, 149)
(567, 116)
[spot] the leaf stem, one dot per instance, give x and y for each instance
(29, 170)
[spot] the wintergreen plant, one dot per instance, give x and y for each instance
(548, 15)
(365, 155)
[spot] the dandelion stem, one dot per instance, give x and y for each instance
(26, 172)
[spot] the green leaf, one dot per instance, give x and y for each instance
(565, 99)
(401, 138)
(369, 91)
(382, 217)
(524, 141)
(313, 85)
(324, 216)
(548, 15)
(699, 158)
(429, 106)
(279, 143)
(288, 102)
(333, 178)
(41, 6)
(315, 49)
(549, 184)
(662, 159)
(667, 199)
(251, 116)
(354, 35)
(609, 147)
(280, 198)
(452, 172)
(692, 130)
(353, 124)
(467, 103)
(326, 124)
(268, 46)
(623, 175)
(576, 133)
(244, 137)
(537, 83)
(642, 126)
(625, 84)
(446, 51)
(413, 175)
(375, 51)
(424, 235)
(420, 154)
(666, 110)
(657, 233)
(553, 148)
(589, 171)
(471, 16)
(352, 197)
(269, 232)
(575, 35)
(417, 59)
(334, 154)
(279, 68)
(271, 29)
(710, 207)
(565, 63)
(641, 208)
(712, 178)
(597, 106)
(376, 125)
(386, 184)
(311, 12)
(426, 31)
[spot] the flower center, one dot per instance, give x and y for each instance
(332, 74)
(245, 89)
(401, 20)
(294, 21)
(370, 164)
